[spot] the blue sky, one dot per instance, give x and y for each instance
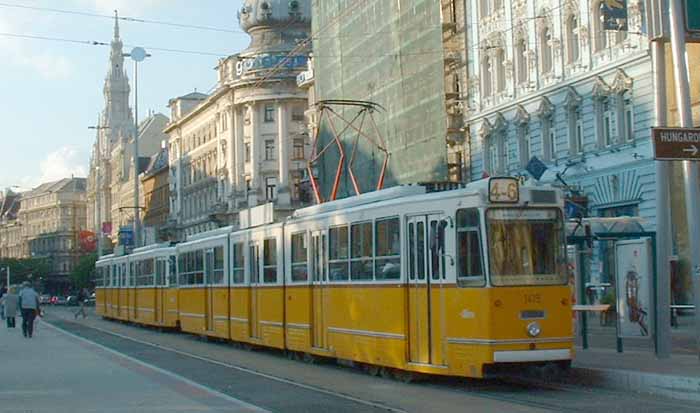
(52, 91)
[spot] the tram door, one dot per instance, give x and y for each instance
(426, 313)
(116, 306)
(253, 298)
(319, 279)
(158, 295)
(209, 290)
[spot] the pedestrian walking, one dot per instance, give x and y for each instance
(29, 304)
(3, 291)
(82, 297)
(10, 302)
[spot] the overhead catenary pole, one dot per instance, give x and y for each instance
(690, 169)
(137, 215)
(662, 311)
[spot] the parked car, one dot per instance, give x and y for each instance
(72, 300)
(60, 300)
(44, 299)
(91, 300)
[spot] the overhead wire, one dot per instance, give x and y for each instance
(123, 18)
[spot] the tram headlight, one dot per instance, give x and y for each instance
(534, 329)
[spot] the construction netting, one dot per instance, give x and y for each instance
(389, 53)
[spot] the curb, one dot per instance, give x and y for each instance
(666, 385)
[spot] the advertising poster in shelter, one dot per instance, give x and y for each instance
(634, 277)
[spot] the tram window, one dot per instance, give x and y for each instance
(469, 258)
(300, 269)
(238, 264)
(361, 260)
(159, 272)
(218, 273)
(420, 250)
(132, 274)
(387, 264)
(525, 247)
(122, 273)
(172, 273)
(411, 251)
(338, 253)
(253, 264)
(198, 278)
(181, 268)
(270, 261)
(114, 267)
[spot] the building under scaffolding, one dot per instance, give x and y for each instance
(406, 57)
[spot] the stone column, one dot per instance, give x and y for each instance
(231, 164)
(283, 195)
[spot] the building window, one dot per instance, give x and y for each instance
(269, 113)
(298, 149)
(572, 39)
(487, 75)
(629, 122)
(575, 131)
(247, 151)
(298, 114)
(270, 185)
(269, 150)
(607, 124)
(521, 61)
(524, 145)
(600, 35)
(546, 48)
(548, 139)
(485, 8)
(500, 71)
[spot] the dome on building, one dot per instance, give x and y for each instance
(265, 13)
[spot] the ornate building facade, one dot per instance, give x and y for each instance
(246, 143)
(547, 81)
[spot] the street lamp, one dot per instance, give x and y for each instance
(98, 194)
(138, 54)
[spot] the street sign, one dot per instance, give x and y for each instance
(536, 168)
(676, 144)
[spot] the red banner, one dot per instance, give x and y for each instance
(88, 241)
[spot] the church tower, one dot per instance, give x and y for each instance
(115, 128)
(117, 114)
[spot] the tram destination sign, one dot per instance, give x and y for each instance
(676, 144)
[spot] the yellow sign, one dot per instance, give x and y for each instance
(504, 190)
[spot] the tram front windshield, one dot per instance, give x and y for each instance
(525, 246)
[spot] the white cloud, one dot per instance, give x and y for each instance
(16, 52)
(62, 163)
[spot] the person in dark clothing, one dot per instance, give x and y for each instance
(29, 304)
(82, 297)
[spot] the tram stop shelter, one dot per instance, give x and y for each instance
(612, 265)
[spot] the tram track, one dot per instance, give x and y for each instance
(529, 394)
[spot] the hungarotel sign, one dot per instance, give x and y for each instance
(676, 144)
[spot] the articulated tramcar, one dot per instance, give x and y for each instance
(440, 282)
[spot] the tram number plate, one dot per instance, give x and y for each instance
(533, 299)
(504, 190)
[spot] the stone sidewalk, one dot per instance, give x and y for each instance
(58, 372)
(677, 377)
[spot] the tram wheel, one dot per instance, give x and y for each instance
(385, 372)
(403, 376)
(309, 358)
(372, 370)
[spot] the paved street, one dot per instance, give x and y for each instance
(272, 382)
(54, 372)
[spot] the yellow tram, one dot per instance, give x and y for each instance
(442, 282)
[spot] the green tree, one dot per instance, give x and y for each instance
(83, 274)
(24, 269)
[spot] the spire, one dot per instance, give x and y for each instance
(116, 25)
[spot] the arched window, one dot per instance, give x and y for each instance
(486, 76)
(521, 61)
(572, 38)
(600, 35)
(500, 70)
(546, 48)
